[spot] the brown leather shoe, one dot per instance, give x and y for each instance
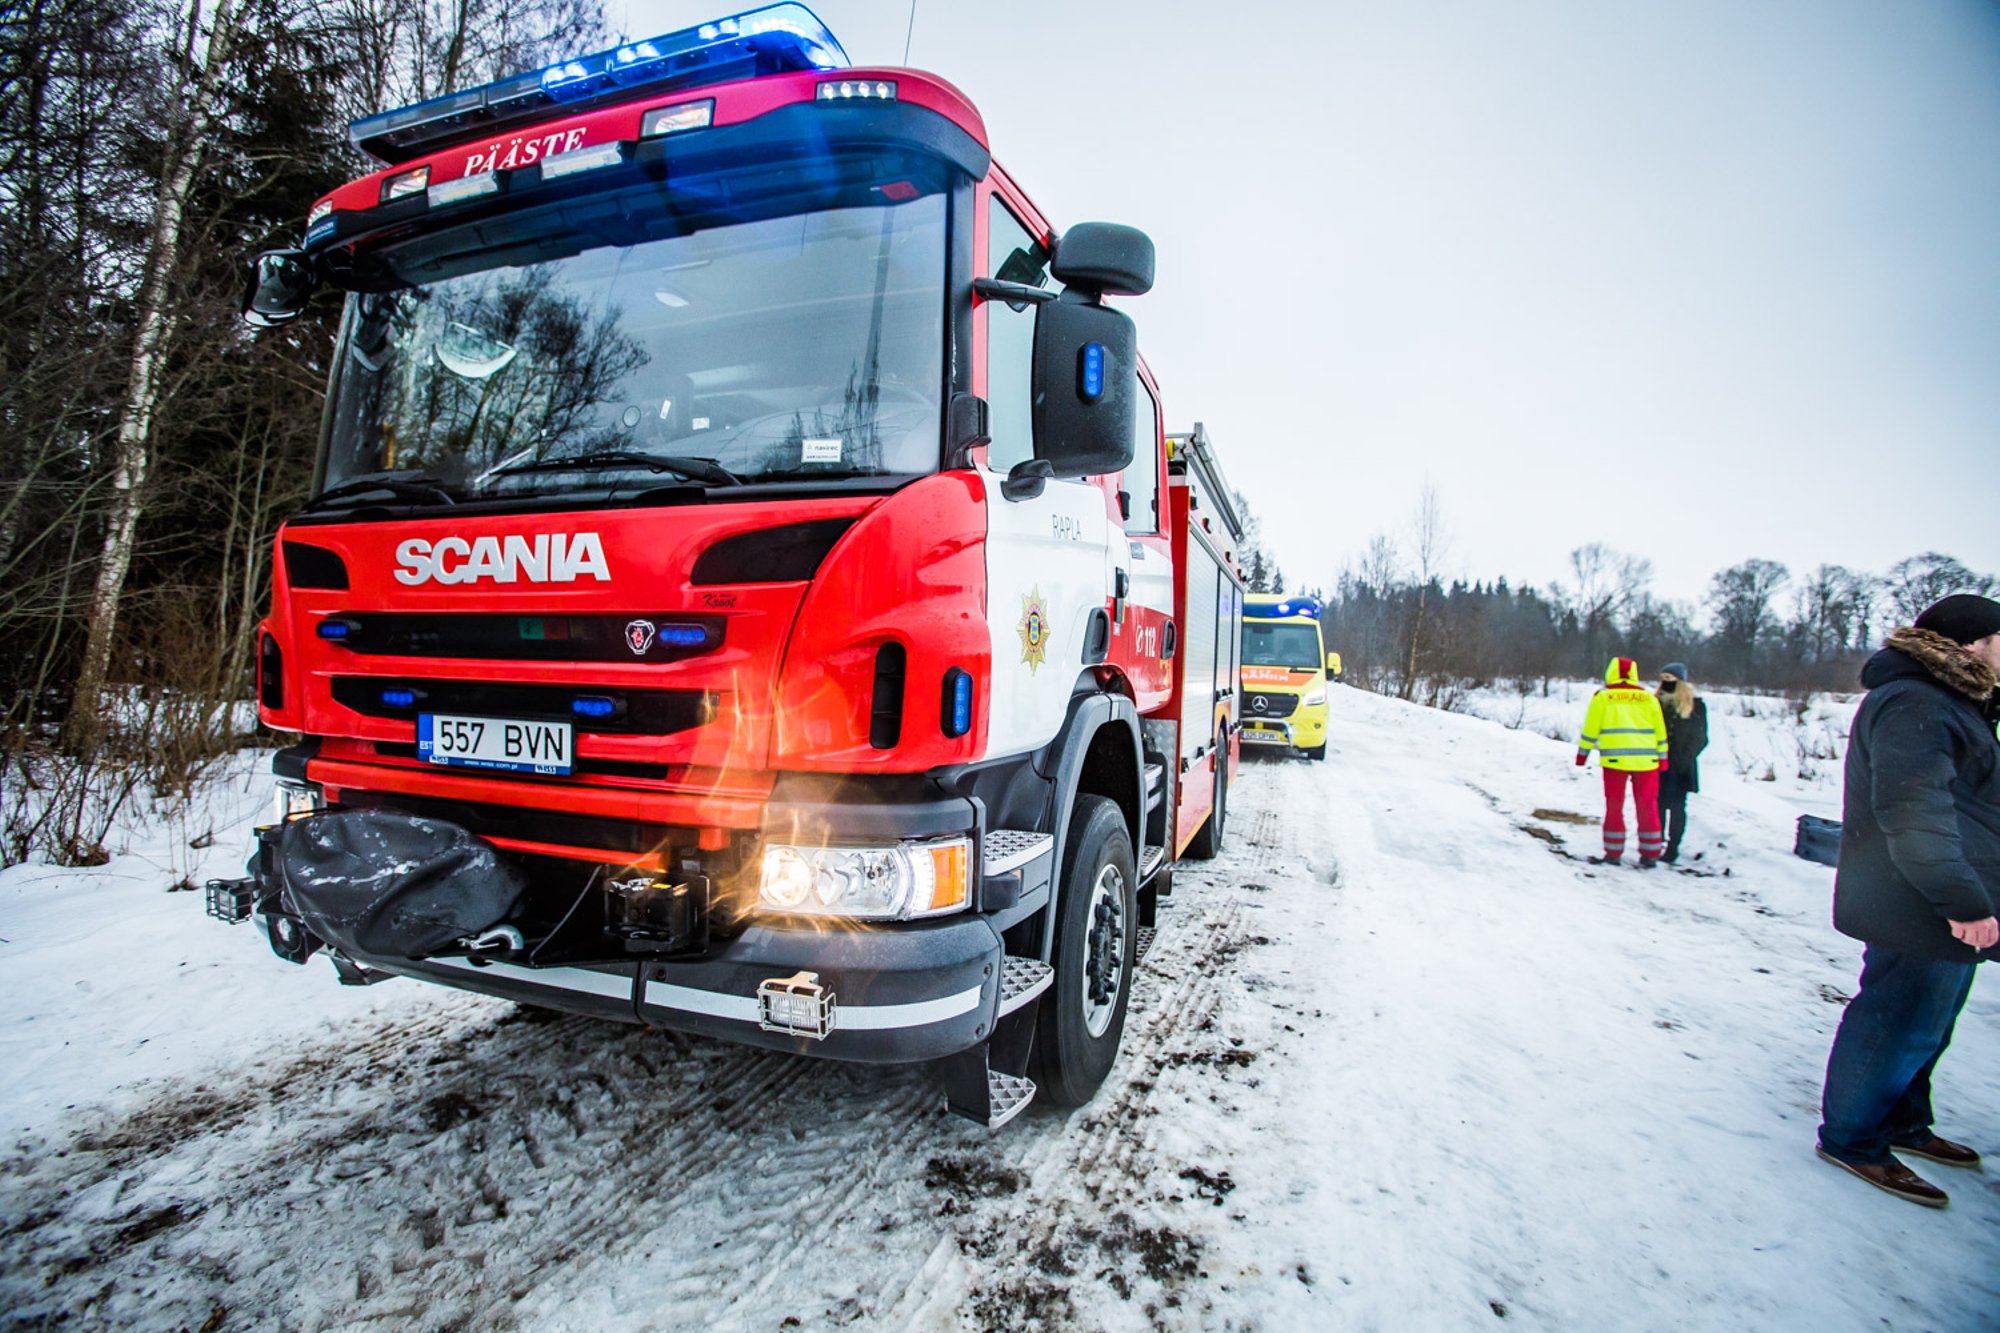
(1940, 1150)
(1895, 1178)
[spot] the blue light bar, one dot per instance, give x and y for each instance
(1310, 607)
(400, 698)
(777, 39)
(592, 705)
(334, 629)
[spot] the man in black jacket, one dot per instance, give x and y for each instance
(1918, 881)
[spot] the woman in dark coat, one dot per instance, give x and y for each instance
(1687, 737)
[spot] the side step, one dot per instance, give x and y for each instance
(1156, 784)
(989, 1083)
(1015, 867)
(1144, 944)
(1003, 851)
(1149, 862)
(1021, 980)
(1006, 1097)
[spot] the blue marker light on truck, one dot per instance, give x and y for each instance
(957, 713)
(1093, 370)
(683, 636)
(592, 705)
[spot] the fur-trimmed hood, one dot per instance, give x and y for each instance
(1940, 658)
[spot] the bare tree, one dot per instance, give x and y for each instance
(191, 110)
(1916, 582)
(1429, 542)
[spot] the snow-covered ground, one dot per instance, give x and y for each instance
(1400, 1059)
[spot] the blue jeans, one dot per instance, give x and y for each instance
(1878, 1078)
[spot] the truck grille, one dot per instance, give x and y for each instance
(633, 712)
(667, 637)
(1256, 705)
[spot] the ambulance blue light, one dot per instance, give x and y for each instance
(777, 39)
(592, 705)
(400, 698)
(1309, 607)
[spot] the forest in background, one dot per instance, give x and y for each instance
(1404, 626)
(147, 149)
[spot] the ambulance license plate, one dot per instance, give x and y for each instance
(495, 742)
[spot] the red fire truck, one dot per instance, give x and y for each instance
(747, 589)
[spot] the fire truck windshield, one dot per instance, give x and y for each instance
(785, 349)
(1281, 645)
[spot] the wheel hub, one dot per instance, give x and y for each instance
(1104, 951)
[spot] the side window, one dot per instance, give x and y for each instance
(1141, 482)
(1013, 255)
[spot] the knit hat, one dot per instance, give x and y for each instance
(1962, 617)
(1678, 670)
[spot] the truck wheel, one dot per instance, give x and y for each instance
(1315, 752)
(1097, 930)
(1207, 840)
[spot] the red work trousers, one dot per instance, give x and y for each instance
(1646, 795)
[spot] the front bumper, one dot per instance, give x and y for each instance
(900, 993)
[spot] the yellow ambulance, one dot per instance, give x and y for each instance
(1286, 668)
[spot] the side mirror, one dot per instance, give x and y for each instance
(281, 282)
(1086, 386)
(1333, 666)
(1104, 258)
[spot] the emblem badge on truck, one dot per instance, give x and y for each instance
(639, 636)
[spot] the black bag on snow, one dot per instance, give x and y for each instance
(1818, 840)
(394, 885)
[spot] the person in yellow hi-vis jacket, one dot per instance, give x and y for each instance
(1625, 727)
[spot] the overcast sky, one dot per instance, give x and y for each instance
(1702, 280)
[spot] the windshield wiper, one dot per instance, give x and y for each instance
(421, 489)
(693, 469)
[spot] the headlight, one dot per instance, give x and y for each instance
(893, 883)
(293, 799)
(1316, 697)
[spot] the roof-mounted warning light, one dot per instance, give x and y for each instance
(777, 39)
(1310, 607)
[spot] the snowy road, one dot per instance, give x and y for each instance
(1399, 1059)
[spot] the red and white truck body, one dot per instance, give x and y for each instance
(712, 527)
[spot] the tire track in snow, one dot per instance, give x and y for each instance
(1080, 1184)
(483, 1166)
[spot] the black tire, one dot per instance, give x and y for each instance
(1207, 841)
(1097, 935)
(1315, 752)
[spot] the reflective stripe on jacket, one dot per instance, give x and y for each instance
(1624, 724)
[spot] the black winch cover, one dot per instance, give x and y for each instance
(394, 885)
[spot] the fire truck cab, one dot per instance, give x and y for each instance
(745, 589)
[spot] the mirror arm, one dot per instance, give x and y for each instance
(1019, 295)
(1026, 479)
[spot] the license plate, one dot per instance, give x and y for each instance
(1258, 735)
(494, 742)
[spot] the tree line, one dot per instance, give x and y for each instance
(147, 148)
(1403, 629)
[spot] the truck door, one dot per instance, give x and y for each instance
(1049, 560)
